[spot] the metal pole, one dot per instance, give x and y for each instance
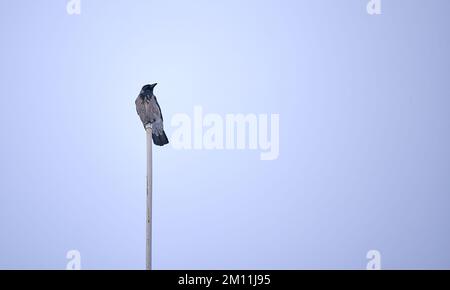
(148, 129)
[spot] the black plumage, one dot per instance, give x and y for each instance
(149, 112)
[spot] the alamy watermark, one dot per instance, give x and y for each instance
(74, 258)
(374, 258)
(374, 7)
(73, 7)
(230, 132)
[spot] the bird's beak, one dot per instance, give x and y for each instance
(154, 85)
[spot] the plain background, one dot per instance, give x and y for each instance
(364, 121)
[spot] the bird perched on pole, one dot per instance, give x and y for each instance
(149, 111)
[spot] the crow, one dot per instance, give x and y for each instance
(149, 111)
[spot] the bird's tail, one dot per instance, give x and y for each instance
(160, 139)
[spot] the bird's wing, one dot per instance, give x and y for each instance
(140, 108)
(159, 108)
(154, 110)
(157, 127)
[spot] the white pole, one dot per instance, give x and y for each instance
(148, 129)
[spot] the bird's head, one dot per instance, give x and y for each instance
(147, 90)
